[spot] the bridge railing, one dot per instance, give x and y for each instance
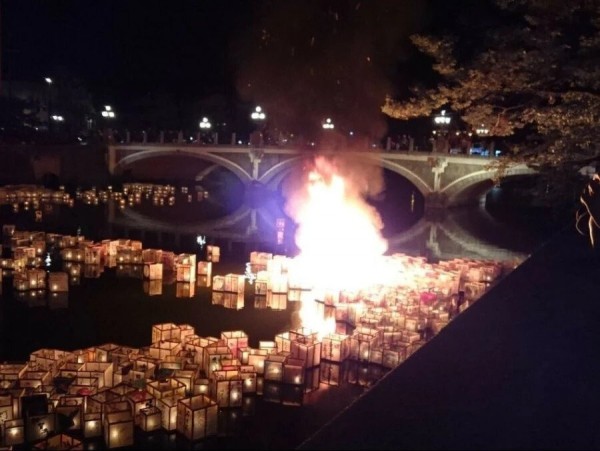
(195, 138)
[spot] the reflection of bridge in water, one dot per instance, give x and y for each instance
(438, 239)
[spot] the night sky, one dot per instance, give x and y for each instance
(302, 60)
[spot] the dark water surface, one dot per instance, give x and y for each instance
(114, 308)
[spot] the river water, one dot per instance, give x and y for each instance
(116, 307)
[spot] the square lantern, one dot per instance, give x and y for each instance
(361, 346)
(20, 281)
(186, 330)
(184, 273)
(335, 347)
(218, 283)
(92, 425)
(213, 253)
(307, 349)
(227, 388)
(118, 429)
(58, 282)
(283, 341)
(153, 271)
(36, 278)
(293, 371)
(197, 417)
(161, 349)
(168, 408)
(213, 355)
(164, 389)
(102, 370)
(104, 352)
(274, 367)
(234, 283)
(14, 432)
(139, 400)
(187, 259)
(204, 268)
(150, 419)
(235, 340)
(186, 377)
(151, 255)
(165, 331)
(248, 376)
(201, 386)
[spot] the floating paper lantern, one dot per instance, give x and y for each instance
(197, 417)
(92, 425)
(150, 419)
(118, 429)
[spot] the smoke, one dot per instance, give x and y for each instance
(308, 60)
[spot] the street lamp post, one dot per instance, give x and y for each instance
(108, 113)
(205, 127)
(442, 122)
(259, 117)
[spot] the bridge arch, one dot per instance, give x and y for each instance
(275, 175)
(471, 186)
(239, 171)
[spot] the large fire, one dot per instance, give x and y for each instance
(339, 238)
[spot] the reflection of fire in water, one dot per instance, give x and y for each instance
(341, 247)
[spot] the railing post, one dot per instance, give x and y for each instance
(216, 138)
(388, 143)
(233, 139)
(127, 137)
(161, 137)
(144, 136)
(180, 137)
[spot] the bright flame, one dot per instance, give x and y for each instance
(341, 247)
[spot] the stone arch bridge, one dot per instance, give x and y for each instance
(443, 180)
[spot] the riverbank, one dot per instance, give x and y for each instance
(517, 370)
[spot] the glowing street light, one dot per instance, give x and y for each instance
(57, 118)
(483, 130)
(328, 124)
(442, 119)
(205, 124)
(108, 112)
(48, 80)
(258, 114)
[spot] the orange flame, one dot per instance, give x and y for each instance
(341, 247)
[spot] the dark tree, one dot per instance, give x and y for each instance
(531, 79)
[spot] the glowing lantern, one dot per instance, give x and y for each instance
(118, 429)
(197, 417)
(150, 419)
(153, 271)
(92, 425)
